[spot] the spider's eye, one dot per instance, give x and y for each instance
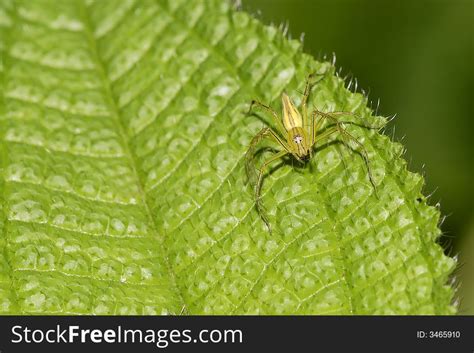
(297, 139)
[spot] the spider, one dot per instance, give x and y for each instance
(297, 138)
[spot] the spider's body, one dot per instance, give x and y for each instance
(297, 138)
(300, 137)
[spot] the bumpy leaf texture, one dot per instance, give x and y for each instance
(123, 131)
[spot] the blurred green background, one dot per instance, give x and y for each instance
(416, 57)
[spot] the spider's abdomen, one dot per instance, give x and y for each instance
(298, 142)
(291, 116)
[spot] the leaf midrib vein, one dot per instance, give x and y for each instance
(116, 113)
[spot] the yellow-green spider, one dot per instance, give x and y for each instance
(297, 137)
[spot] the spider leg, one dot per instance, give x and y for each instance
(325, 134)
(335, 114)
(345, 136)
(313, 128)
(337, 147)
(309, 84)
(307, 90)
(315, 125)
(269, 109)
(258, 187)
(266, 132)
(364, 154)
(255, 179)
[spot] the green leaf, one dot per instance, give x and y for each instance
(123, 132)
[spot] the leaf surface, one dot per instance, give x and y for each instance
(123, 132)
